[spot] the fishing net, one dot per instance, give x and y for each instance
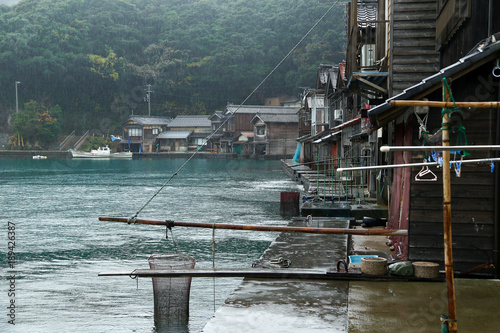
(171, 295)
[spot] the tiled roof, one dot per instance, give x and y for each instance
(174, 135)
(151, 120)
(381, 114)
(261, 109)
(191, 121)
(276, 118)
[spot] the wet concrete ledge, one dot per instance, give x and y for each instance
(291, 305)
(31, 153)
(302, 305)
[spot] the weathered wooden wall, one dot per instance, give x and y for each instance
(473, 194)
(413, 47)
(472, 31)
(281, 138)
(242, 122)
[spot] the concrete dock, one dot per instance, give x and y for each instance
(301, 305)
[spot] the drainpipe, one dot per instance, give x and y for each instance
(496, 245)
(490, 18)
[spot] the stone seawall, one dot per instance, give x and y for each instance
(31, 153)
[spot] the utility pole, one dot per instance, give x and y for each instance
(17, 104)
(148, 98)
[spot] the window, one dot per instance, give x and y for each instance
(135, 132)
(261, 130)
(156, 131)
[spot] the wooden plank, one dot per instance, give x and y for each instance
(414, 26)
(419, 189)
(414, 52)
(419, 59)
(429, 215)
(459, 242)
(476, 230)
(413, 44)
(481, 204)
(373, 85)
(464, 258)
(400, 2)
(417, 7)
(422, 33)
(416, 17)
(415, 68)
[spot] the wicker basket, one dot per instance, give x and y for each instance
(426, 270)
(374, 266)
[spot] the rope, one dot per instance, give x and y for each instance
(134, 277)
(168, 226)
(232, 113)
(461, 135)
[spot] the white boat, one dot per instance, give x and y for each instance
(101, 152)
(39, 157)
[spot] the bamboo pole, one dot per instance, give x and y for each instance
(410, 165)
(385, 149)
(448, 253)
(388, 166)
(447, 104)
(337, 231)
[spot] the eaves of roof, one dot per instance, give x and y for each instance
(384, 113)
(347, 123)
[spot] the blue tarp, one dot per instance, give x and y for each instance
(296, 158)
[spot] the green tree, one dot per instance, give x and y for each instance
(199, 54)
(38, 125)
(106, 66)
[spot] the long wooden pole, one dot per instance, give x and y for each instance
(385, 149)
(447, 104)
(338, 231)
(448, 253)
(410, 165)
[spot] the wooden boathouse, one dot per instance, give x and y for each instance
(475, 188)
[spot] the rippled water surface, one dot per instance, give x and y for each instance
(61, 246)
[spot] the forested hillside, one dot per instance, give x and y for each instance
(94, 58)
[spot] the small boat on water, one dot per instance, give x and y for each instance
(39, 157)
(101, 152)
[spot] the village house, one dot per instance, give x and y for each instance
(237, 120)
(185, 133)
(140, 132)
(221, 136)
(242, 143)
(275, 133)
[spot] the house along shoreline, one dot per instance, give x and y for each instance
(161, 155)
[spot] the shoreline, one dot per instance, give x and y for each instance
(67, 154)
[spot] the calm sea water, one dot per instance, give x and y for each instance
(60, 246)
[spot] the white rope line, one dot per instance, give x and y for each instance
(232, 113)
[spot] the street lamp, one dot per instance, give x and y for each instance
(17, 104)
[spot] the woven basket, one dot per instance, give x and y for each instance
(426, 270)
(374, 266)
